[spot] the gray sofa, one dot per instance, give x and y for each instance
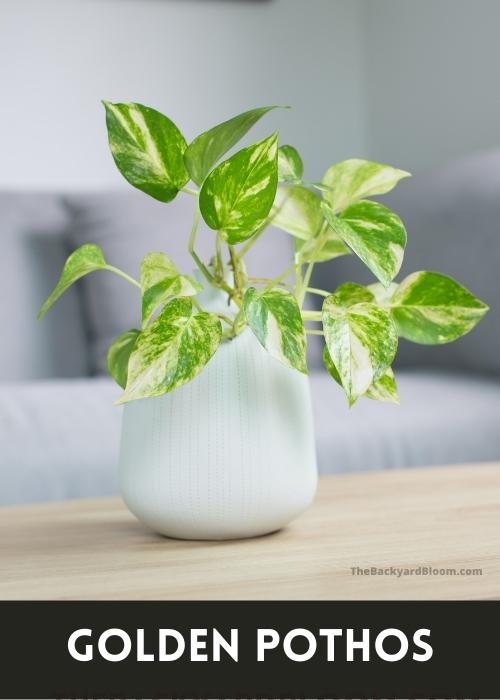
(59, 430)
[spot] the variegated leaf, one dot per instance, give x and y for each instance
(87, 258)
(147, 148)
(161, 282)
(383, 389)
(238, 195)
(351, 293)
(297, 210)
(354, 179)
(376, 234)
(119, 354)
(274, 317)
(290, 165)
(362, 343)
(431, 308)
(208, 148)
(171, 351)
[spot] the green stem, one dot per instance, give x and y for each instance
(192, 240)
(310, 331)
(319, 292)
(190, 190)
(226, 319)
(124, 275)
(305, 283)
(219, 264)
(298, 280)
(311, 315)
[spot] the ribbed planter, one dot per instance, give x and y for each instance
(231, 454)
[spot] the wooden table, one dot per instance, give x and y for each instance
(441, 517)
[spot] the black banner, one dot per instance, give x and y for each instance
(212, 649)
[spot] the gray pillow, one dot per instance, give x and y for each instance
(127, 224)
(453, 220)
(32, 229)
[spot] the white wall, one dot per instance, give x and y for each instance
(432, 79)
(199, 61)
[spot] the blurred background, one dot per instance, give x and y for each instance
(413, 83)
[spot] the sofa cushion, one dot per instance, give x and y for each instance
(59, 440)
(442, 419)
(127, 224)
(32, 229)
(453, 220)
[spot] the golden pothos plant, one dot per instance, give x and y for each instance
(261, 185)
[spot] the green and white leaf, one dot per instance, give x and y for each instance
(354, 179)
(237, 196)
(362, 343)
(431, 308)
(383, 389)
(290, 165)
(327, 246)
(297, 210)
(274, 317)
(208, 148)
(171, 351)
(119, 354)
(87, 258)
(161, 282)
(147, 148)
(351, 293)
(375, 233)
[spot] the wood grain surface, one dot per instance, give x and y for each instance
(440, 517)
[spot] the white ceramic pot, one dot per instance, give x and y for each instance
(230, 454)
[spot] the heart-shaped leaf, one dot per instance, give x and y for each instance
(274, 317)
(376, 234)
(208, 148)
(383, 389)
(290, 165)
(147, 148)
(354, 179)
(171, 351)
(362, 343)
(119, 354)
(87, 258)
(297, 210)
(161, 282)
(238, 195)
(430, 308)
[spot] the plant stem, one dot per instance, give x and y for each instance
(305, 283)
(190, 190)
(311, 315)
(219, 264)
(124, 275)
(319, 292)
(192, 239)
(226, 319)
(298, 281)
(310, 331)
